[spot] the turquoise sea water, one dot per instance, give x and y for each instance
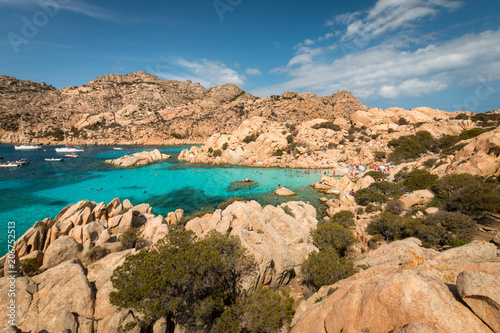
(41, 189)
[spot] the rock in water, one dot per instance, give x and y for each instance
(284, 192)
(139, 159)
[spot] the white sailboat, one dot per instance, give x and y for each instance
(66, 148)
(25, 146)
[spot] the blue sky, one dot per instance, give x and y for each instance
(408, 53)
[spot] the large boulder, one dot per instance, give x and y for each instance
(62, 249)
(415, 198)
(404, 288)
(271, 234)
(59, 299)
(139, 159)
(34, 238)
(384, 301)
(479, 157)
(284, 192)
(100, 273)
(481, 292)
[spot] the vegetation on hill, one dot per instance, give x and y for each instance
(196, 283)
(460, 198)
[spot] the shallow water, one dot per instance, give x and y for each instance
(41, 189)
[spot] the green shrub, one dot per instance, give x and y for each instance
(379, 155)
(226, 323)
(344, 218)
(419, 180)
(325, 268)
(210, 150)
(217, 153)
(289, 138)
(129, 238)
(447, 141)
(225, 145)
(437, 229)
(429, 163)
(189, 281)
(265, 310)
(368, 195)
(228, 202)
(395, 207)
(459, 227)
(407, 150)
(377, 175)
(401, 175)
(57, 133)
(177, 135)
(288, 211)
(462, 116)
(96, 253)
(392, 227)
(411, 147)
(370, 208)
(278, 152)
(329, 125)
(402, 121)
(475, 199)
(452, 150)
(251, 137)
(28, 266)
(472, 133)
(333, 236)
(467, 194)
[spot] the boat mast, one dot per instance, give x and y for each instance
(22, 131)
(64, 130)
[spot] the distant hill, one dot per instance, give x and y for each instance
(140, 108)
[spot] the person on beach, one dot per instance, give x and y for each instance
(279, 186)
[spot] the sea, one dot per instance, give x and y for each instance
(41, 189)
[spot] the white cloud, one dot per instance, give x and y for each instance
(391, 15)
(387, 71)
(253, 71)
(77, 6)
(207, 72)
(411, 88)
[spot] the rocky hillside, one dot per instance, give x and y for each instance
(366, 138)
(399, 287)
(140, 108)
(71, 287)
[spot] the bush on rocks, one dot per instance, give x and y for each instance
(344, 218)
(333, 236)
(419, 180)
(326, 268)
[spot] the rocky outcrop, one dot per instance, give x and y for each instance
(402, 289)
(278, 237)
(140, 108)
(139, 159)
(481, 292)
(415, 198)
(284, 192)
(259, 142)
(480, 157)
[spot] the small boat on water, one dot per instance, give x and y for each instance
(10, 164)
(117, 148)
(71, 155)
(23, 161)
(66, 148)
(25, 146)
(53, 159)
